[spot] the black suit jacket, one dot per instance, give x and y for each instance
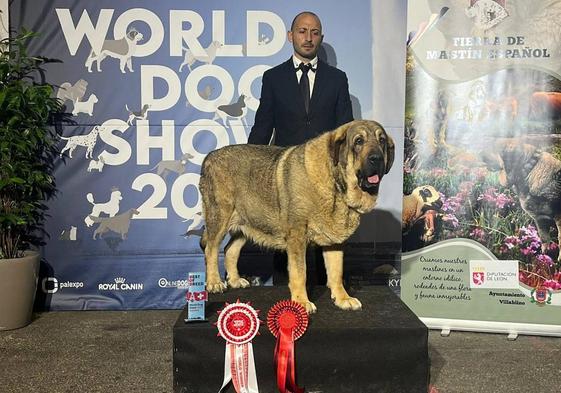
(282, 106)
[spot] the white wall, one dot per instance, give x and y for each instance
(388, 101)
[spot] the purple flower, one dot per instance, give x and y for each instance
(451, 219)
(495, 198)
(452, 204)
(545, 259)
(552, 284)
(478, 234)
(511, 241)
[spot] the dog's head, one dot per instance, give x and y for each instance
(428, 198)
(512, 159)
(187, 156)
(366, 152)
(116, 194)
(361, 154)
(134, 35)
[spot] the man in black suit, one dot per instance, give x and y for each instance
(282, 105)
(300, 99)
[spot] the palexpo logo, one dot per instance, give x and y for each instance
(120, 284)
(180, 284)
(52, 285)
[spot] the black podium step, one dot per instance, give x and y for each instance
(382, 348)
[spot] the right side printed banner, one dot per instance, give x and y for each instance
(482, 165)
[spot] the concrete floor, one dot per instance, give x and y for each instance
(113, 351)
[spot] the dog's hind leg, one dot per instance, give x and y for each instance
(296, 250)
(63, 150)
(215, 230)
(231, 255)
(129, 64)
(333, 258)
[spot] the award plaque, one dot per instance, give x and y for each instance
(196, 296)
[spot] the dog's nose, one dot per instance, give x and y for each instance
(375, 158)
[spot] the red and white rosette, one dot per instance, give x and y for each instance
(287, 321)
(238, 323)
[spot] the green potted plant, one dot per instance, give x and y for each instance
(27, 151)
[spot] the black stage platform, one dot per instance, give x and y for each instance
(382, 348)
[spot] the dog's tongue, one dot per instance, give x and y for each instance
(374, 179)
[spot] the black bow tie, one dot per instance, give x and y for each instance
(305, 67)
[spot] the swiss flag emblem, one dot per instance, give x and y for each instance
(196, 296)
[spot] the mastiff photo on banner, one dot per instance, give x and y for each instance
(482, 166)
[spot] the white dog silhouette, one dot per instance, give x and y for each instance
(110, 207)
(85, 106)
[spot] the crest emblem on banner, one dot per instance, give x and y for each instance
(478, 278)
(487, 13)
(541, 296)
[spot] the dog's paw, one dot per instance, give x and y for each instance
(215, 287)
(348, 303)
(238, 283)
(309, 306)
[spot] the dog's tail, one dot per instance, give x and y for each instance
(90, 198)
(95, 219)
(202, 242)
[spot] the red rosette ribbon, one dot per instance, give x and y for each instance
(238, 323)
(287, 321)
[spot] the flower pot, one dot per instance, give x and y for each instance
(18, 285)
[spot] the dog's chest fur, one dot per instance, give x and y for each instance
(336, 228)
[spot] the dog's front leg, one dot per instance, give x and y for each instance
(296, 250)
(333, 258)
(231, 256)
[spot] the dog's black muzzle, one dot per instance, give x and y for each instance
(371, 173)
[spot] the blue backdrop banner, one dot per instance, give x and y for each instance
(152, 88)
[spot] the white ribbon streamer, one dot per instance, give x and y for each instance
(241, 367)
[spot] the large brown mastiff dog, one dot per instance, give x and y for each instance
(286, 198)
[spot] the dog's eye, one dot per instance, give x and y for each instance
(359, 141)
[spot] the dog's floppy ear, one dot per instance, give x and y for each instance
(390, 152)
(337, 145)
